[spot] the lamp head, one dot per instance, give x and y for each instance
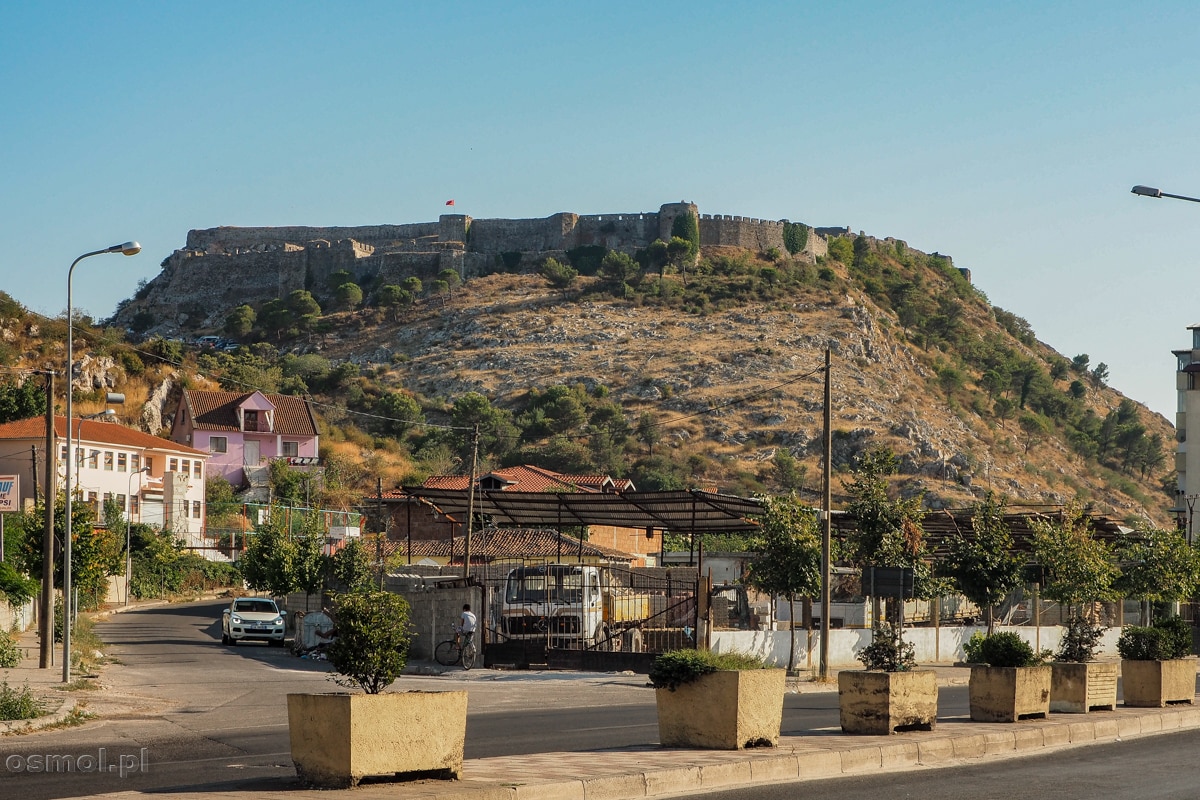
(128, 248)
(1146, 191)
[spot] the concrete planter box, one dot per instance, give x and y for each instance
(1007, 694)
(1154, 684)
(338, 739)
(880, 703)
(1077, 688)
(723, 710)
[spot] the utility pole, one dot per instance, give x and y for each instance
(826, 523)
(471, 501)
(382, 528)
(46, 615)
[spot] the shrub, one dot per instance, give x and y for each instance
(1007, 649)
(887, 651)
(1080, 640)
(19, 703)
(972, 648)
(10, 654)
(372, 641)
(1143, 644)
(1178, 633)
(674, 668)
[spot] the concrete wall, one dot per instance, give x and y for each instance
(433, 612)
(932, 644)
(19, 618)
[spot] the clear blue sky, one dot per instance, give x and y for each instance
(1006, 135)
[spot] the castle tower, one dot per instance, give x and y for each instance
(453, 227)
(667, 214)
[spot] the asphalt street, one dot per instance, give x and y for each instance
(1153, 768)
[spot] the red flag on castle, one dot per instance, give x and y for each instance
(449, 202)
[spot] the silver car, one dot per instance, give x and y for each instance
(252, 619)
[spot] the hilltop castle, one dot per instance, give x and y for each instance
(220, 268)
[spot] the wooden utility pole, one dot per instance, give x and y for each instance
(471, 502)
(826, 523)
(46, 616)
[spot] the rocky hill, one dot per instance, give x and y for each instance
(703, 369)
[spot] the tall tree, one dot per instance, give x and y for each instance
(983, 564)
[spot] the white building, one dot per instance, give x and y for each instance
(1187, 460)
(154, 480)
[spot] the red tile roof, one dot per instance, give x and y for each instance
(92, 431)
(217, 411)
(531, 479)
(498, 543)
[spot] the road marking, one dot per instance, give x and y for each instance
(619, 727)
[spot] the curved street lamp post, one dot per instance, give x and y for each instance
(129, 249)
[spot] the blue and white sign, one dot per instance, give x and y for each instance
(10, 496)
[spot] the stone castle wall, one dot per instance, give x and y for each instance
(220, 268)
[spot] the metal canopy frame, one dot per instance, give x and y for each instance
(686, 511)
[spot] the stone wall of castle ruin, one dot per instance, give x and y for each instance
(220, 268)
(233, 239)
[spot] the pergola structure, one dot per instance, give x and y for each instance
(691, 511)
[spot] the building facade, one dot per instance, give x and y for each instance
(154, 481)
(1187, 459)
(245, 430)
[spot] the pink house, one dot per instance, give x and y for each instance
(241, 430)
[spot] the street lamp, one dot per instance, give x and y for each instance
(129, 249)
(128, 524)
(1150, 191)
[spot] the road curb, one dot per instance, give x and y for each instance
(18, 727)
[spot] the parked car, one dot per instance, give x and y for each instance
(255, 619)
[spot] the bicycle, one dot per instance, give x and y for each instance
(456, 651)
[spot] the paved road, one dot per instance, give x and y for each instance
(1152, 768)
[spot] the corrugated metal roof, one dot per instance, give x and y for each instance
(680, 511)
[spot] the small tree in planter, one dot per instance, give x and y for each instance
(1012, 683)
(890, 695)
(1157, 566)
(983, 566)
(337, 739)
(789, 556)
(1156, 666)
(721, 701)
(1077, 568)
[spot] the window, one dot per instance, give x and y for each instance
(185, 466)
(218, 444)
(173, 465)
(196, 468)
(79, 454)
(62, 453)
(195, 509)
(150, 463)
(94, 500)
(108, 497)
(94, 459)
(108, 461)
(121, 501)
(135, 462)
(135, 504)
(291, 449)
(250, 421)
(121, 462)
